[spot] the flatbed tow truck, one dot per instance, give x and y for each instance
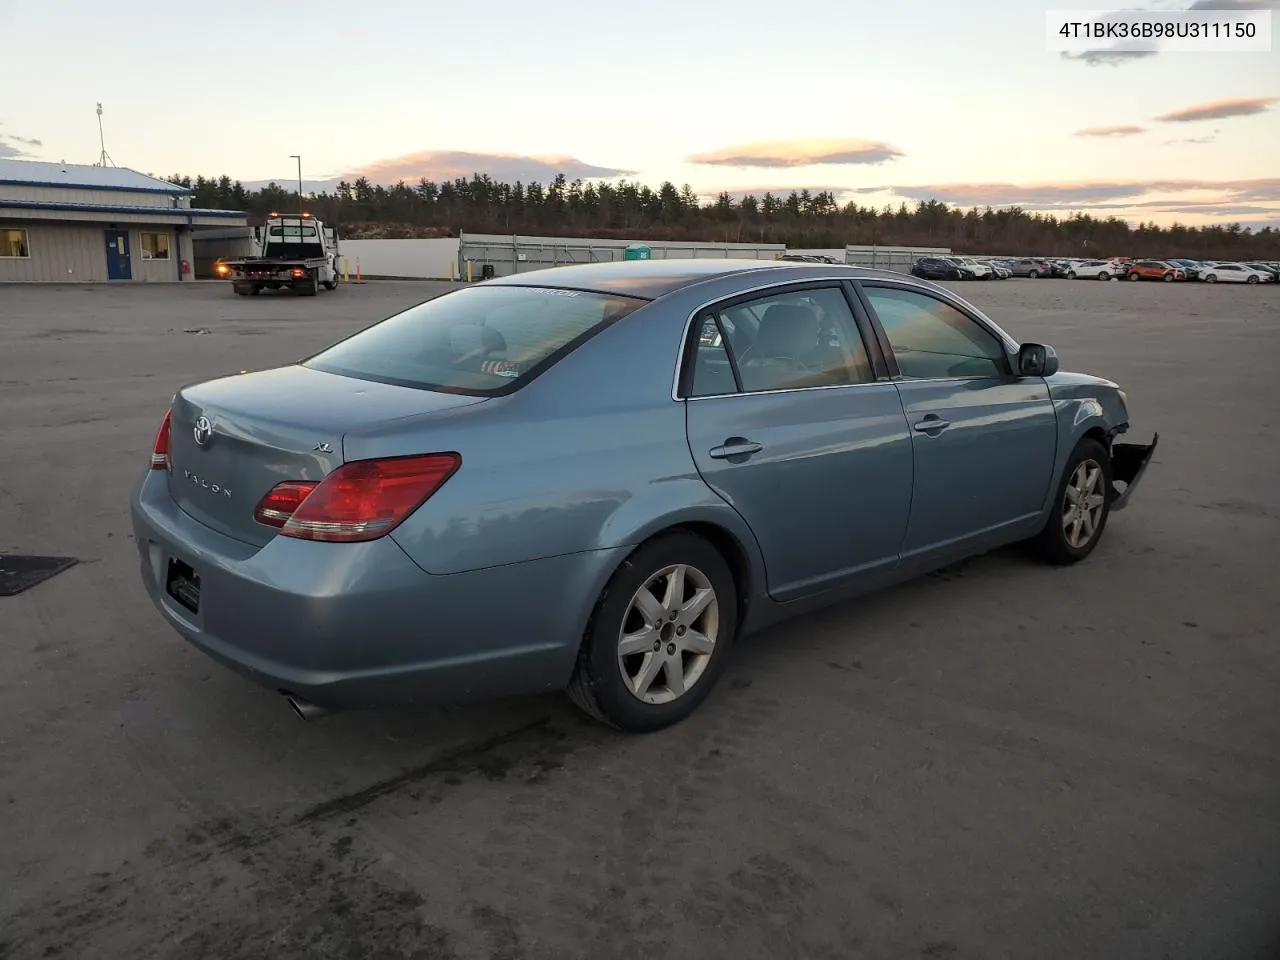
(298, 253)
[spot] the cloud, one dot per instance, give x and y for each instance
(1108, 58)
(13, 147)
(1119, 131)
(1220, 210)
(1076, 193)
(444, 165)
(1219, 109)
(799, 153)
(1244, 5)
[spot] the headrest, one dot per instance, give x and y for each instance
(786, 330)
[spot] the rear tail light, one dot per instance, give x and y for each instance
(160, 458)
(359, 501)
(281, 502)
(297, 272)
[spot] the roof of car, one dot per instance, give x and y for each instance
(650, 279)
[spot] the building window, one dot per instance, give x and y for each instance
(13, 243)
(155, 246)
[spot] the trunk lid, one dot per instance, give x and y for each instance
(259, 429)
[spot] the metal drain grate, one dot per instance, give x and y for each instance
(19, 572)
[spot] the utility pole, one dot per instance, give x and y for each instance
(301, 206)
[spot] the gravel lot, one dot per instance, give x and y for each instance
(1001, 760)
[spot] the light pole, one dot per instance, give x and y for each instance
(294, 156)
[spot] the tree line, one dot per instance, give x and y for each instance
(801, 219)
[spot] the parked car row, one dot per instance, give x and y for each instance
(955, 267)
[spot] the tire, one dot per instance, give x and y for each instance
(1071, 275)
(331, 284)
(1168, 278)
(599, 686)
(1103, 275)
(1251, 280)
(1052, 544)
(1211, 278)
(1033, 274)
(1134, 276)
(307, 287)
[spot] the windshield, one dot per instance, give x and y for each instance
(481, 341)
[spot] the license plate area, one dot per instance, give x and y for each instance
(183, 585)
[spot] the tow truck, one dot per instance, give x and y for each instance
(298, 252)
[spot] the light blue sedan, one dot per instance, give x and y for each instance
(595, 478)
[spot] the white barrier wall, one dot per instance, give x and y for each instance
(836, 253)
(402, 259)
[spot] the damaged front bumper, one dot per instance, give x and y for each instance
(1129, 462)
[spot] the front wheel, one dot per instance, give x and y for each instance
(1033, 274)
(1134, 276)
(1071, 274)
(1081, 507)
(1168, 277)
(1211, 278)
(659, 636)
(1251, 280)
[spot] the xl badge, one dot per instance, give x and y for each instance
(203, 431)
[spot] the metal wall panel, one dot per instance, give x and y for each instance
(77, 253)
(517, 254)
(898, 259)
(118, 198)
(57, 252)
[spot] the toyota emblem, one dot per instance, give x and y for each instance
(203, 431)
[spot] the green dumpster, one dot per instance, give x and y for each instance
(638, 251)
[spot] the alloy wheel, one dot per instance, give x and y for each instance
(668, 634)
(1082, 504)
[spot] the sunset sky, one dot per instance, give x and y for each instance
(878, 102)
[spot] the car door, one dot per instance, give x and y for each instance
(795, 423)
(984, 439)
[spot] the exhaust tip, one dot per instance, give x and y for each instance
(305, 709)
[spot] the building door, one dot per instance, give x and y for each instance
(119, 266)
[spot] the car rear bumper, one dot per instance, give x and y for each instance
(1129, 461)
(361, 625)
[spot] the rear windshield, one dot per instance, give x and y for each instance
(481, 341)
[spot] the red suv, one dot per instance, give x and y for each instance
(1155, 270)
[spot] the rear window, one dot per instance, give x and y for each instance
(481, 341)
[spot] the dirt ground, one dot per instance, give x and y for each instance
(1001, 760)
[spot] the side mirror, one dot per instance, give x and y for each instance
(1037, 360)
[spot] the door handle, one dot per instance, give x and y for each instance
(932, 423)
(735, 447)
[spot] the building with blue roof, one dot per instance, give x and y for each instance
(76, 222)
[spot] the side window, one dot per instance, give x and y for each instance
(712, 371)
(933, 340)
(793, 340)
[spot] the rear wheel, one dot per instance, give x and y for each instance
(1081, 507)
(1134, 276)
(659, 637)
(1033, 274)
